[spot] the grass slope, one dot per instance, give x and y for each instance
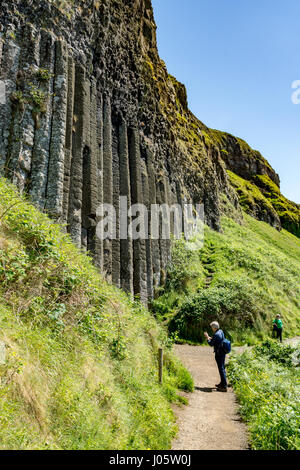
(242, 277)
(266, 381)
(80, 370)
(262, 198)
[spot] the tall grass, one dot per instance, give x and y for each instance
(267, 384)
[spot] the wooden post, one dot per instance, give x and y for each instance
(160, 365)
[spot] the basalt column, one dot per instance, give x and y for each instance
(86, 167)
(152, 201)
(69, 136)
(180, 201)
(26, 102)
(93, 243)
(139, 246)
(148, 241)
(107, 184)
(97, 140)
(40, 153)
(10, 54)
(175, 212)
(169, 201)
(116, 265)
(76, 180)
(55, 185)
(126, 249)
(164, 242)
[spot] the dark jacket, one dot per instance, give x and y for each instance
(216, 342)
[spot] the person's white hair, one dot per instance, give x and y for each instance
(215, 325)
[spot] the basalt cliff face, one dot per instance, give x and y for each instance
(90, 114)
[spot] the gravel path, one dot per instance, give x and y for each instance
(211, 420)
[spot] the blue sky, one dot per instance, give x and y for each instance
(238, 60)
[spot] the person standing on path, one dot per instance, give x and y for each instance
(216, 341)
(277, 327)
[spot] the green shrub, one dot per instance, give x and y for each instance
(232, 304)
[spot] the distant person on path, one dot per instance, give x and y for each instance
(277, 327)
(216, 341)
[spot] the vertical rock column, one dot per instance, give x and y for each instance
(40, 152)
(183, 200)
(152, 201)
(139, 247)
(10, 53)
(69, 136)
(75, 194)
(95, 197)
(162, 198)
(180, 201)
(172, 201)
(27, 103)
(107, 181)
(148, 242)
(126, 250)
(55, 184)
(86, 167)
(116, 263)
(98, 253)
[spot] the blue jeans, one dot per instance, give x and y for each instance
(220, 359)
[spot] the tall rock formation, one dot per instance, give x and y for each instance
(91, 114)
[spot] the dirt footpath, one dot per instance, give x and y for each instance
(211, 420)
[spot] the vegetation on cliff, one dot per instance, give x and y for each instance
(81, 357)
(253, 201)
(243, 277)
(288, 211)
(250, 174)
(262, 199)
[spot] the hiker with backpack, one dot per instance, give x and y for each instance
(221, 347)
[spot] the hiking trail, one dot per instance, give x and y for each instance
(211, 420)
(208, 263)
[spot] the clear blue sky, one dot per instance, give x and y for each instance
(238, 59)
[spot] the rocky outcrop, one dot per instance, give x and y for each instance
(91, 114)
(242, 159)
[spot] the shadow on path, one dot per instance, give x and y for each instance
(206, 389)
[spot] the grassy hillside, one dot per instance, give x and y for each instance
(264, 201)
(243, 277)
(80, 369)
